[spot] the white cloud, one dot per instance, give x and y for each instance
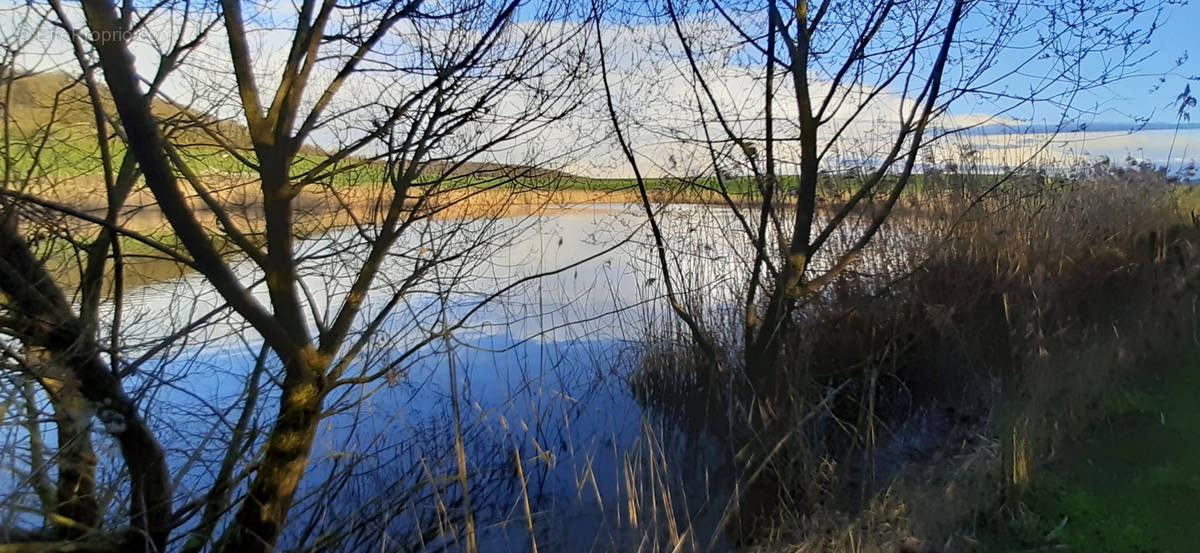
(654, 88)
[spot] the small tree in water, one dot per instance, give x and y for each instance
(787, 92)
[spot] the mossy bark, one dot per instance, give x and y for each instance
(263, 513)
(49, 323)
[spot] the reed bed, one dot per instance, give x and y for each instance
(925, 387)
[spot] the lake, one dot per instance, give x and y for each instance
(541, 372)
(548, 316)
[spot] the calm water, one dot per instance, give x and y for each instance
(541, 368)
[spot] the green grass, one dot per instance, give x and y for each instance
(1132, 482)
(71, 153)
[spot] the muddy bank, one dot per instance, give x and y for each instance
(329, 206)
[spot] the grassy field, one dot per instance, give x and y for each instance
(1130, 482)
(50, 115)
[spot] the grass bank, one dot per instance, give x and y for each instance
(1129, 480)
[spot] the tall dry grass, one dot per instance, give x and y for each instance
(929, 383)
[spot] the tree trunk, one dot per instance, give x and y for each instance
(75, 498)
(49, 323)
(263, 513)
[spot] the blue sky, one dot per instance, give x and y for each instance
(1131, 117)
(1177, 37)
(1137, 116)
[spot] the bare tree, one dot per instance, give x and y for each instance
(442, 85)
(878, 82)
(59, 339)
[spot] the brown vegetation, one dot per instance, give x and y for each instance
(911, 403)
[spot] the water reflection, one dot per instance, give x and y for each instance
(542, 369)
